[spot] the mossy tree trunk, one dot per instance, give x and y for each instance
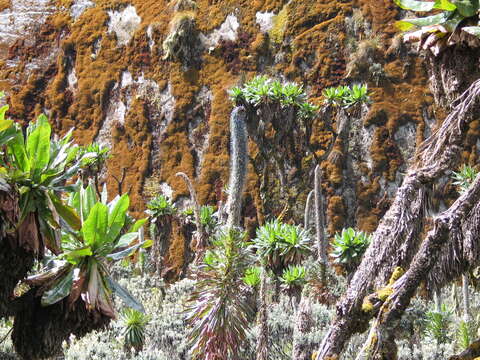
(396, 240)
(447, 226)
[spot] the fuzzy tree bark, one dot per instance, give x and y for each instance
(448, 226)
(395, 241)
(320, 224)
(238, 172)
(200, 235)
(308, 206)
(262, 343)
(302, 349)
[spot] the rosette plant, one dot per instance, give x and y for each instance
(87, 252)
(37, 168)
(452, 22)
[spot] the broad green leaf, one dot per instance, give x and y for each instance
(474, 30)
(3, 110)
(466, 8)
(66, 212)
(126, 240)
(7, 135)
(89, 199)
(38, 145)
(137, 225)
(407, 24)
(59, 291)
(116, 217)
(17, 148)
(95, 227)
(444, 5)
(415, 5)
(5, 124)
(124, 253)
(74, 256)
(124, 295)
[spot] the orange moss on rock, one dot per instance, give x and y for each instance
(311, 52)
(5, 4)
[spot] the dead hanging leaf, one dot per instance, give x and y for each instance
(28, 235)
(77, 288)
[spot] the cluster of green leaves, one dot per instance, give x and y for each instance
(37, 168)
(95, 163)
(134, 323)
(252, 276)
(349, 246)
(437, 325)
(91, 241)
(160, 206)
(464, 178)
(434, 31)
(219, 316)
(294, 276)
(346, 96)
(466, 332)
(279, 245)
(209, 218)
(263, 90)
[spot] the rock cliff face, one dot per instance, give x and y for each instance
(150, 79)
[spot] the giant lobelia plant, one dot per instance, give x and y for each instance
(452, 22)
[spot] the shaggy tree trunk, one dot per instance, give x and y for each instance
(466, 298)
(262, 342)
(38, 331)
(448, 226)
(200, 234)
(302, 348)
(239, 159)
(18, 249)
(320, 224)
(396, 239)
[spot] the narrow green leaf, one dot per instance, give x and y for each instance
(59, 291)
(95, 227)
(129, 300)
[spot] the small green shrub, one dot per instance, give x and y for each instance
(349, 246)
(278, 245)
(437, 325)
(464, 178)
(346, 96)
(294, 276)
(160, 206)
(465, 333)
(253, 276)
(134, 323)
(263, 90)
